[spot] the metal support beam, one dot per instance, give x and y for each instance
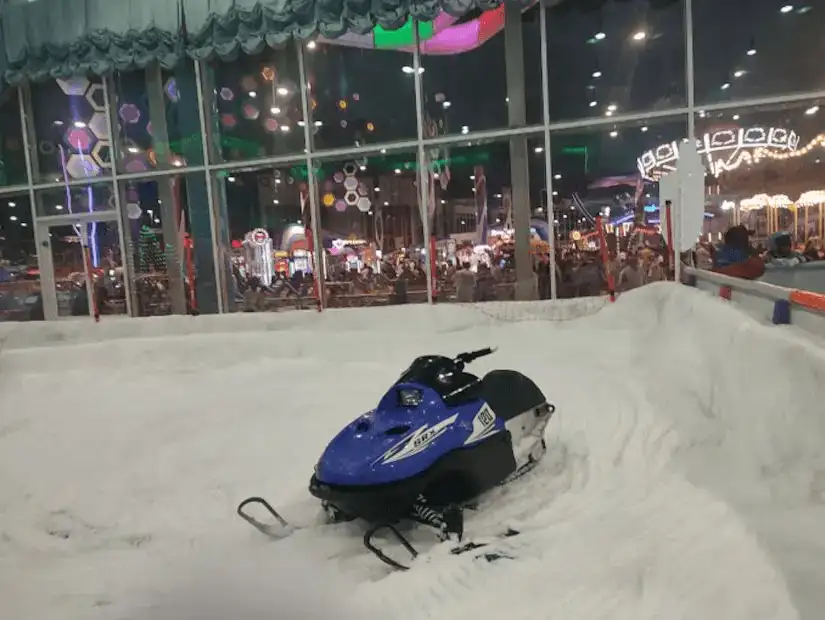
(519, 171)
(423, 175)
(169, 219)
(548, 153)
(314, 211)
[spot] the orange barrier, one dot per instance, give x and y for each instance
(809, 300)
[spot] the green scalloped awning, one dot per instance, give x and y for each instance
(61, 38)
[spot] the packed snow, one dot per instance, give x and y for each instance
(685, 476)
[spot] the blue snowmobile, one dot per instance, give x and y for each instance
(439, 438)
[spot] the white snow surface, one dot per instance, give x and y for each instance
(685, 477)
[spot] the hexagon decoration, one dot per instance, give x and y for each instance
(74, 86)
(351, 198)
(268, 74)
(95, 98)
(329, 186)
(228, 120)
(99, 125)
(364, 204)
(171, 89)
(129, 113)
(338, 177)
(250, 112)
(271, 125)
(249, 83)
(328, 200)
(287, 89)
(227, 94)
(102, 154)
(350, 168)
(136, 164)
(343, 123)
(133, 211)
(80, 139)
(351, 184)
(356, 97)
(81, 167)
(362, 190)
(340, 206)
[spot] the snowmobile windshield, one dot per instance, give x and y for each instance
(438, 373)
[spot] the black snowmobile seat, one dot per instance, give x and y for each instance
(509, 393)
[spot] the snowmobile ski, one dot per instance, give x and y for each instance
(489, 555)
(283, 530)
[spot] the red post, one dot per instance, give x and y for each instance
(316, 285)
(90, 278)
(725, 292)
(611, 285)
(189, 244)
(433, 268)
(671, 264)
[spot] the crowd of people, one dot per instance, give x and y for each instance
(740, 257)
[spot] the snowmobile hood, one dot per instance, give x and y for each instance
(394, 441)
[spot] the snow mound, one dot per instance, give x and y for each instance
(685, 476)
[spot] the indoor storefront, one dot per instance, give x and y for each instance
(160, 159)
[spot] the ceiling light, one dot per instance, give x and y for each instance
(253, 94)
(593, 104)
(609, 113)
(597, 74)
(739, 73)
(538, 149)
(13, 218)
(726, 86)
(786, 9)
(275, 110)
(12, 204)
(312, 45)
(230, 179)
(751, 52)
(640, 36)
(599, 36)
(614, 133)
(612, 107)
(465, 129)
(446, 105)
(557, 177)
(736, 117)
(79, 124)
(283, 91)
(812, 110)
(644, 128)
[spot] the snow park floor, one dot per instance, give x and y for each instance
(685, 476)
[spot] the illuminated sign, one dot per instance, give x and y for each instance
(724, 150)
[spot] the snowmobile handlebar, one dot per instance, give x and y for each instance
(462, 359)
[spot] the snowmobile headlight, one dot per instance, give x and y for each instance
(409, 397)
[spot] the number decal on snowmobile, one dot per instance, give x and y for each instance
(484, 425)
(419, 441)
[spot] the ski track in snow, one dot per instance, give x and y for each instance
(685, 473)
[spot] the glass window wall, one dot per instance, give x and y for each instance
(369, 170)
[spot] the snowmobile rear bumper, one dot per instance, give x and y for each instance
(385, 503)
